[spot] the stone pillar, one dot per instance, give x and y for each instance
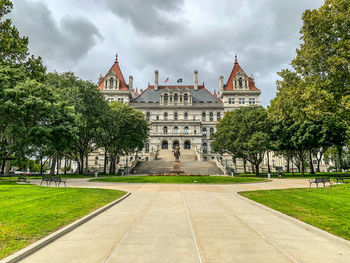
(156, 80)
(130, 82)
(221, 82)
(196, 80)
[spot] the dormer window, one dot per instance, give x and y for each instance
(175, 98)
(240, 83)
(186, 98)
(111, 81)
(165, 98)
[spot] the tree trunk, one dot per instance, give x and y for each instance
(53, 163)
(81, 163)
(58, 165)
(245, 165)
(253, 168)
(105, 162)
(340, 161)
(288, 165)
(311, 165)
(86, 163)
(268, 163)
(302, 166)
(41, 165)
(257, 169)
(65, 165)
(3, 163)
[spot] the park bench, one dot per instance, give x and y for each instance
(322, 180)
(341, 177)
(22, 178)
(56, 179)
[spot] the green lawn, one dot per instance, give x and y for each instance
(180, 179)
(28, 212)
(326, 208)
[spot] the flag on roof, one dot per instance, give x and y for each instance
(167, 79)
(179, 81)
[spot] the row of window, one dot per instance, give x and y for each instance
(187, 130)
(176, 116)
(240, 83)
(176, 98)
(112, 99)
(241, 101)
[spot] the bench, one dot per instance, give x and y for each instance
(341, 177)
(322, 180)
(22, 178)
(56, 179)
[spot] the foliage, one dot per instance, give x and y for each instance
(244, 133)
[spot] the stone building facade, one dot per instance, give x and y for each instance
(183, 115)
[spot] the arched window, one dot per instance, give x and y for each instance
(204, 116)
(186, 130)
(176, 129)
(148, 116)
(175, 116)
(205, 148)
(165, 129)
(186, 116)
(176, 97)
(211, 130)
(218, 116)
(96, 160)
(147, 147)
(165, 116)
(204, 132)
(240, 83)
(165, 98)
(186, 98)
(111, 81)
(211, 116)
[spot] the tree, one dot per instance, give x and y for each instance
(243, 133)
(126, 133)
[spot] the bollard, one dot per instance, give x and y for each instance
(269, 176)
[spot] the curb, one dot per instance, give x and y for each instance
(302, 224)
(55, 235)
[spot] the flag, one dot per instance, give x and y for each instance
(167, 79)
(179, 81)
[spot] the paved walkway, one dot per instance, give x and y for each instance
(191, 223)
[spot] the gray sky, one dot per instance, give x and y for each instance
(174, 36)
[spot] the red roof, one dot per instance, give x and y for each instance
(235, 70)
(116, 69)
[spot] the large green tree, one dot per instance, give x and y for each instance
(244, 133)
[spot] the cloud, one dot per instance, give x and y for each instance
(62, 43)
(152, 17)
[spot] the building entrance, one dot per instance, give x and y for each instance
(175, 143)
(187, 145)
(164, 145)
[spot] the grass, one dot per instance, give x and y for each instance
(325, 208)
(298, 175)
(60, 175)
(180, 179)
(29, 213)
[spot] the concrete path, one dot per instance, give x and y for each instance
(192, 223)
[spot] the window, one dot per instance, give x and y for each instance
(211, 131)
(176, 129)
(251, 101)
(240, 83)
(204, 116)
(147, 147)
(96, 160)
(165, 129)
(186, 130)
(165, 116)
(176, 98)
(205, 148)
(204, 132)
(185, 98)
(231, 101)
(148, 116)
(121, 100)
(186, 116)
(218, 116)
(211, 116)
(245, 83)
(165, 98)
(157, 117)
(241, 100)
(111, 81)
(175, 116)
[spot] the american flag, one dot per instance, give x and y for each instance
(167, 79)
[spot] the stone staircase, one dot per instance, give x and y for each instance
(189, 164)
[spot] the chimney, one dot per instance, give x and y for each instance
(196, 80)
(130, 82)
(141, 90)
(156, 80)
(221, 82)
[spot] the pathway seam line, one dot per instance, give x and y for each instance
(21, 254)
(189, 220)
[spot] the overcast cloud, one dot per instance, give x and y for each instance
(175, 37)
